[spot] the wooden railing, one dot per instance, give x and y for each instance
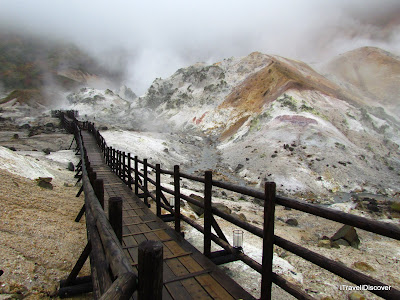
(127, 167)
(112, 276)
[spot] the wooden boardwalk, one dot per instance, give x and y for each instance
(187, 273)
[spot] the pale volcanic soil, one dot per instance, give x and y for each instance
(39, 240)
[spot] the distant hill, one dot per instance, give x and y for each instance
(371, 73)
(30, 63)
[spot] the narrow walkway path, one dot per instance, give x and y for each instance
(187, 273)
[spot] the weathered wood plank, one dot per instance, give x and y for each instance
(190, 264)
(141, 232)
(176, 289)
(140, 238)
(212, 287)
(175, 247)
(162, 235)
(177, 267)
(195, 289)
(190, 284)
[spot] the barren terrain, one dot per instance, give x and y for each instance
(39, 240)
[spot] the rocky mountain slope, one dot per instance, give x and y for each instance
(265, 117)
(278, 119)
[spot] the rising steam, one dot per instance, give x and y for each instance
(153, 39)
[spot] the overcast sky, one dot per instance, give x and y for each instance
(155, 38)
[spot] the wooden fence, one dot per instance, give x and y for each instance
(134, 171)
(112, 276)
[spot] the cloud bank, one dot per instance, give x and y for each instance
(154, 38)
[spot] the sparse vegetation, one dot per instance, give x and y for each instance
(306, 108)
(340, 146)
(289, 102)
(369, 147)
(255, 124)
(350, 115)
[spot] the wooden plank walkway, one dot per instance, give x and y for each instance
(187, 273)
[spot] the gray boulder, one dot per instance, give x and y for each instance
(346, 234)
(71, 166)
(45, 182)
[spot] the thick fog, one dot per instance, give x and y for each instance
(154, 38)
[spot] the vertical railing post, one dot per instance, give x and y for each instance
(136, 176)
(129, 171)
(118, 166)
(207, 213)
(124, 167)
(94, 177)
(115, 216)
(145, 183)
(116, 162)
(114, 159)
(90, 175)
(99, 190)
(87, 165)
(268, 240)
(150, 270)
(158, 190)
(177, 190)
(106, 155)
(109, 157)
